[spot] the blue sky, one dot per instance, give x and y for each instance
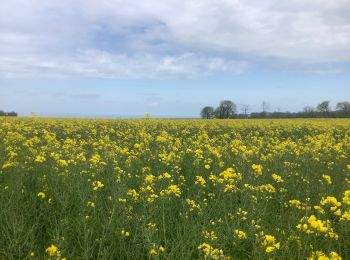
(171, 58)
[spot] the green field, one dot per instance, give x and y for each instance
(174, 189)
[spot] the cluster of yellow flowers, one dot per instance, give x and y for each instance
(97, 185)
(240, 234)
(269, 242)
(319, 255)
(312, 225)
(211, 252)
(230, 183)
(53, 251)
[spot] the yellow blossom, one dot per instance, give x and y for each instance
(240, 234)
(257, 168)
(53, 250)
(97, 185)
(124, 233)
(41, 195)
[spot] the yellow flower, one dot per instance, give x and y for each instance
(41, 195)
(240, 234)
(346, 216)
(277, 178)
(133, 194)
(153, 252)
(269, 242)
(193, 205)
(210, 235)
(346, 198)
(332, 201)
(124, 233)
(149, 178)
(327, 178)
(166, 175)
(319, 255)
(97, 185)
(295, 203)
(334, 256)
(91, 204)
(211, 252)
(257, 168)
(53, 250)
(200, 180)
(39, 159)
(270, 249)
(172, 189)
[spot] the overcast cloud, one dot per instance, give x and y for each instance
(170, 39)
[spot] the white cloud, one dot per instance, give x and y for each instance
(92, 63)
(119, 38)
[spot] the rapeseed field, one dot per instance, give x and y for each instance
(174, 189)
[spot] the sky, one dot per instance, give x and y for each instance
(171, 58)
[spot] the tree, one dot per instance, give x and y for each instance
(207, 112)
(308, 109)
(323, 107)
(12, 113)
(226, 109)
(344, 107)
(3, 113)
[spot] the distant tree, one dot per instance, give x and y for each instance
(226, 109)
(207, 112)
(308, 109)
(324, 107)
(343, 107)
(12, 113)
(3, 113)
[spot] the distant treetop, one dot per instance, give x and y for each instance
(227, 109)
(12, 113)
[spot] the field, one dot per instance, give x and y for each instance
(174, 189)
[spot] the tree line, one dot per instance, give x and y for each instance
(12, 113)
(228, 109)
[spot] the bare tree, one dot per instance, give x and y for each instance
(226, 109)
(207, 112)
(324, 107)
(308, 109)
(344, 107)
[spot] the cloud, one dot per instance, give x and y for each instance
(101, 64)
(156, 39)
